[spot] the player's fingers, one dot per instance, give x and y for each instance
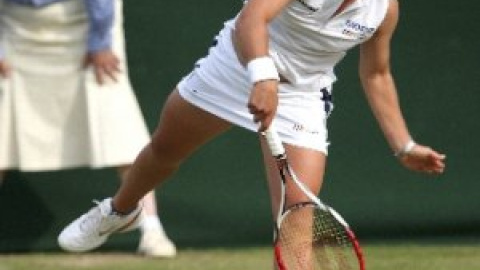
(437, 161)
(423, 164)
(253, 110)
(257, 113)
(436, 171)
(434, 167)
(260, 119)
(256, 119)
(267, 121)
(439, 168)
(436, 155)
(262, 127)
(263, 120)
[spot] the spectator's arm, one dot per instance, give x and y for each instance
(101, 16)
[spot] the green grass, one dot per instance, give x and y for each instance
(379, 257)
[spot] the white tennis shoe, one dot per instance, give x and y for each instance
(155, 243)
(93, 228)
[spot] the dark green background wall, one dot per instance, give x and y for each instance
(219, 197)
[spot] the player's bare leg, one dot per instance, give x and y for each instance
(149, 201)
(309, 165)
(154, 241)
(181, 130)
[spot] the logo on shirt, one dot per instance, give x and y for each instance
(357, 30)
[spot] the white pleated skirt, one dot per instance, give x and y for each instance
(53, 114)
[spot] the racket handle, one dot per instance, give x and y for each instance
(274, 141)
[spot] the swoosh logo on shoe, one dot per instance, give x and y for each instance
(121, 228)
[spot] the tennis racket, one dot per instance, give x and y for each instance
(309, 235)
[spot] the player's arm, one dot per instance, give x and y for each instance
(251, 44)
(381, 93)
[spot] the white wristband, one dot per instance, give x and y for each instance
(261, 69)
(407, 148)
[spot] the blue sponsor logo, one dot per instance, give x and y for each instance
(357, 30)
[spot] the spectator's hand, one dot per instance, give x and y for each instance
(263, 103)
(104, 63)
(4, 68)
(424, 159)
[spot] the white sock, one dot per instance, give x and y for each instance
(151, 222)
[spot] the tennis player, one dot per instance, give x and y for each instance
(273, 63)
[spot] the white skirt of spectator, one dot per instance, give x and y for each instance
(53, 114)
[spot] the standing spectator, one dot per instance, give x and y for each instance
(65, 96)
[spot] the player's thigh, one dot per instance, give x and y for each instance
(308, 165)
(184, 127)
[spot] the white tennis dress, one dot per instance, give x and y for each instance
(53, 114)
(306, 42)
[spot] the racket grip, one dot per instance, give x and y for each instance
(274, 141)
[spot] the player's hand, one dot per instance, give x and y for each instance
(4, 68)
(105, 63)
(424, 159)
(263, 103)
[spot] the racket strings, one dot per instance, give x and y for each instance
(311, 239)
(332, 245)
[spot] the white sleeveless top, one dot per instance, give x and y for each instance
(306, 43)
(307, 40)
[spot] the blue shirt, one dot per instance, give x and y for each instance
(100, 15)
